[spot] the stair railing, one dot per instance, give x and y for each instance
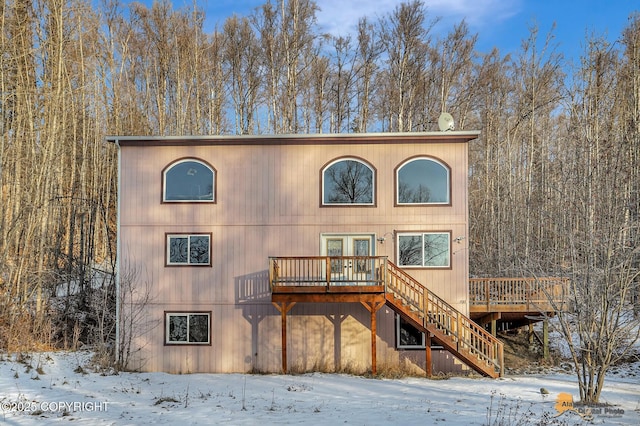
(465, 333)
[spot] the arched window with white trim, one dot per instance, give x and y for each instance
(348, 181)
(423, 181)
(188, 180)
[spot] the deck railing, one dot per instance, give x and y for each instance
(433, 309)
(533, 293)
(326, 271)
(331, 272)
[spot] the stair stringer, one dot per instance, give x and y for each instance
(450, 328)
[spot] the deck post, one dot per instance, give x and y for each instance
(545, 338)
(284, 307)
(427, 365)
(373, 308)
(501, 359)
(486, 294)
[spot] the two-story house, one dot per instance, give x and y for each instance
(335, 252)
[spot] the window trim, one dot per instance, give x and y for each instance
(374, 191)
(422, 346)
(168, 314)
(167, 247)
(422, 233)
(396, 202)
(169, 166)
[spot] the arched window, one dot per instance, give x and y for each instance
(348, 181)
(423, 180)
(189, 180)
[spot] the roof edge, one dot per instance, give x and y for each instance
(289, 139)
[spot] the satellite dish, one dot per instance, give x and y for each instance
(445, 122)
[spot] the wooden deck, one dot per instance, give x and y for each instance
(375, 282)
(515, 300)
(324, 279)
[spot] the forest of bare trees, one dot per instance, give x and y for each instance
(554, 176)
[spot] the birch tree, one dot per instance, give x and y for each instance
(241, 58)
(599, 324)
(405, 37)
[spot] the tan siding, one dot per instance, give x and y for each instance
(267, 204)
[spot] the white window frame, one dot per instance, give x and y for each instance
(167, 321)
(189, 200)
(399, 345)
(373, 183)
(188, 237)
(422, 236)
(435, 203)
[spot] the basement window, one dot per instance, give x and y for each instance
(408, 337)
(191, 328)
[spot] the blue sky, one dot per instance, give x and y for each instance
(499, 23)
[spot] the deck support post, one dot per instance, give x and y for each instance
(373, 308)
(545, 338)
(284, 307)
(427, 343)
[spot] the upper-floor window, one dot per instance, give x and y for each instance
(189, 180)
(188, 249)
(423, 180)
(348, 181)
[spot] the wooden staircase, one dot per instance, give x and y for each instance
(458, 334)
(380, 282)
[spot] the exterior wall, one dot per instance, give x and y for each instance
(268, 204)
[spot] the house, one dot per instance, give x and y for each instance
(335, 252)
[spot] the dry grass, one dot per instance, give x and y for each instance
(385, 370)
(25, 333)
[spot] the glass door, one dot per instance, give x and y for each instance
(345, 250)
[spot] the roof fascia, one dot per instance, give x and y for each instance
(305, 139)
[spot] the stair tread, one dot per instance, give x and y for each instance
(417, 315)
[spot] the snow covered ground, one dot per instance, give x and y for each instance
(61, 388)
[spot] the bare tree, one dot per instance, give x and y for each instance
(600, 326)
(287, 43)
(241, 53)
(453, 60)
(368, 52)
(342, 83)
(405, 36)
(135, 295)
